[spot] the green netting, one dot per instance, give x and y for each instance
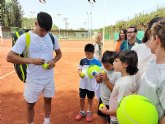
(116, 36)
(107, 36)
(140, 35)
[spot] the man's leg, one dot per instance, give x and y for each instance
(47, 107)
(47, 110)
(30, 112)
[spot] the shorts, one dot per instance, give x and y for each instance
(84, 92)
(107, 117)
(34, 89)
(114, 122)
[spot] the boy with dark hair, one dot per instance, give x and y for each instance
(40, 51)
(153, 83)
(87, 84)
(107, 79)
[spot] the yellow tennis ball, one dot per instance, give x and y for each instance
(103, 72)
(91, 69)
(101, 105)
(45, 65)
(136, 109)
(82, 75)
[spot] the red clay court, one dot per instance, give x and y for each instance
(65, 104)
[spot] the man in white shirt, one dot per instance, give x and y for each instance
(40, 51)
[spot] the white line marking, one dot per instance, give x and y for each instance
(6, 66)
(7, 74)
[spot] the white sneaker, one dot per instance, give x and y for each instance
(46, 123)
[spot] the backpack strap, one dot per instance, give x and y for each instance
(27, 35)
(17, 34)
(52, 38)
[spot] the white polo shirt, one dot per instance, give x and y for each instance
(40, 47)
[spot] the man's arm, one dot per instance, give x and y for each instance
(16, 59)
(55, 59)
(58, 55)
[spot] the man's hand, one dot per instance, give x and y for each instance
(51, 64)
(37, 61)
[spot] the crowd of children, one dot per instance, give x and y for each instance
(119, 76)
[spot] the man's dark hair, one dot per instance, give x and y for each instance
(135, 29)
(130, 58)
(108, 57)
(44, 21)
(89, 48)
(158, 29)
(149, 25)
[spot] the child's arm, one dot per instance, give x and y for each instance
(106, 111)
(107, 81)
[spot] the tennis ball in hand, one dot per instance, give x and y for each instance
(82, 75)
(103, 72)
(101, 105)
(45, 65)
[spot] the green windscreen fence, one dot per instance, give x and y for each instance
(140, 35)
(107, 36)
(116, 36)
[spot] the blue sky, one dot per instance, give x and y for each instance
(76, 11)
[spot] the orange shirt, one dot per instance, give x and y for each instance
(118, 43)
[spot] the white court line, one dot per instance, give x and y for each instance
(7, 74)
(6, 66)
(14, 71)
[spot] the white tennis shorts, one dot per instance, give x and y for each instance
(35, 88)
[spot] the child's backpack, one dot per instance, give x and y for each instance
(20, 69)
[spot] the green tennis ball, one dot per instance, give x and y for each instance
(82, 75)
(91, 69)
(136, 109)
(101, 105)
(45, 65)
(103, 72)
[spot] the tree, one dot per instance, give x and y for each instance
(12, 13)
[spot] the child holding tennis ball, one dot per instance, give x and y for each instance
(126, 63)
(107, 79)
(86, 83)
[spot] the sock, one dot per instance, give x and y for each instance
(46, 120)
(82, 111)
